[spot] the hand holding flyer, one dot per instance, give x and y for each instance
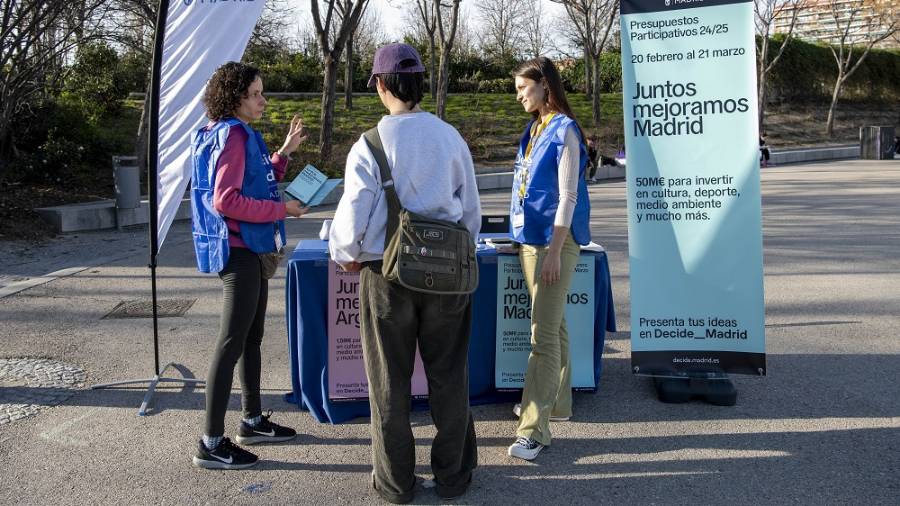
(311, 186)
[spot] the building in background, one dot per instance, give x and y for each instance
(816, 20)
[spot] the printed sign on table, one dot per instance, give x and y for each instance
(514, 324)
(346, 367)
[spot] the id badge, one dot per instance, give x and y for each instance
(279, 242)
(518, 220)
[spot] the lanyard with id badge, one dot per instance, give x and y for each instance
(523, 173)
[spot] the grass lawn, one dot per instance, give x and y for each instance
(490, 123)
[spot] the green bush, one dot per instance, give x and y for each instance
(466, 85)
(807, 71)
(59, 145)
(53, 142)
(292, 73)
(573, 76)
(610, 72)
(96, 82)
(501, 85)
(135, 71)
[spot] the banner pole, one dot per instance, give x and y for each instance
(153, 164)
(153, 196)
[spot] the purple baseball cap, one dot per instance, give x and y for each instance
(395, 59)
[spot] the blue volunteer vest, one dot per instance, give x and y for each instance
(531, 218)
(209, 228)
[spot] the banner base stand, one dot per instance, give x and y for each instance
(720, 392)
(151, 388)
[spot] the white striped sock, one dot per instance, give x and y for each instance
(211, 442)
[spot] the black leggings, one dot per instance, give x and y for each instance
(245, 293)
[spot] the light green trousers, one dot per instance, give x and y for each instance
(548, 379)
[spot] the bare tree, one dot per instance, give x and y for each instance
(569, 33)
(593, 20)
(370, 34)
(465, 44)
(860, 25)
(36, 37)
(136, 23)
(534, 28)
(269, 38)
(426, 11)
(447, 21)
(345, 9)
(766, 13)
(502, 27)
(331, 53)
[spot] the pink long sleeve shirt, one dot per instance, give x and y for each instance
(227, 198)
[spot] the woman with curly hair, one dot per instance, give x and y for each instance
(238, 233)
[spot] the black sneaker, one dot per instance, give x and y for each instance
(225, 456)
(264, 432)
(525, 448)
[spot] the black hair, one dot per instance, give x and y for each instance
(407, 86)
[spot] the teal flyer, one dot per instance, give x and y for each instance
(693, 188)
(514, 324)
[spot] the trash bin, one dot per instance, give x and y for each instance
(876, 142)
(127, 179)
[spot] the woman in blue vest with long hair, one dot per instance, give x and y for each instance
(238, 228)
(549, 216)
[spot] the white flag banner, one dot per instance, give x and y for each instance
(200, 35)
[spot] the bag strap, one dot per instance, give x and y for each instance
(373, 139)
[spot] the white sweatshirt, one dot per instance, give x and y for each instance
(433, 175)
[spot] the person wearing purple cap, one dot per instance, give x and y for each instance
(433, 175)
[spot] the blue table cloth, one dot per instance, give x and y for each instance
(307, 314)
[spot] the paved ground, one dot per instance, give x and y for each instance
(823, 428)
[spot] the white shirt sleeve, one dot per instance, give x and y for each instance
(351, 219)
(568, 179)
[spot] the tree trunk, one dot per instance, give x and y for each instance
(140, 141)
(829, 124)
(587, 72)
(595, 96)
(443, 84)
(329, 94)
(762, 100)
(5, 148)
(6, 138)
(348, 75)
(761, 81)
(431, 81)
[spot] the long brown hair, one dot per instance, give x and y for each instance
(542, 69)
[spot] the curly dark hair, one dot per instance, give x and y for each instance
(225, 89)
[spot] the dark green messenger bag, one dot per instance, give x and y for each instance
(420, 253)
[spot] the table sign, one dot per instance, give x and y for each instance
(513, 340)
(346, 367)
